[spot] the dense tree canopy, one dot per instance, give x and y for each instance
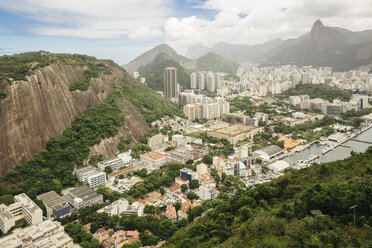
(304, 208)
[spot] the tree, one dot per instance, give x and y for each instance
(177, 206)
(170, 148)
(136, 244)
(108, 170)
(192, 196)
(162, 190)
(194, 184)
(93, 227)
(147, 239)
(208, 159)
(166, 228)
(149, 209)
(184, 188)
(189, 162)
(182, 223)
(6, 199)
(143, 172)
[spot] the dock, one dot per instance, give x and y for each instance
(362, 141)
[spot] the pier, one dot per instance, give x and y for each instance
(342, 145)
(363, 141)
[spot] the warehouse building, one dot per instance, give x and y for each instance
(56, 205)
(83, 196)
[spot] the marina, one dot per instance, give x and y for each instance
(328, 150)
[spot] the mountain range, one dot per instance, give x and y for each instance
(235, 52)
(322, 46)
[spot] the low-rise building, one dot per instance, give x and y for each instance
(154, 159)
(56, 205)
(207, 193)
(91, 176)
(83, 196)
(235, 133)
(122, 207)
(157, 140)
(268, 152)
(188, 174)
(115, 163)
(182, 140)
(279, 166)
(123, 172)
(201, 169)
(125, 157)
(179, 156)
(22, 208)
(46, 234)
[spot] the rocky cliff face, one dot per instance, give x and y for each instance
(43, 107)
(133, 128)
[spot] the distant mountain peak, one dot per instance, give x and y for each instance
(317, 31)
(318, 23)
(149, 56)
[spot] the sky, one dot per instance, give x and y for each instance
(123, 29)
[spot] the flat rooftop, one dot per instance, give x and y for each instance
(83, 192)
(51, 199)
(26, 202)
(122, 171)
(154, 155)
(87, 169)
(234, 130)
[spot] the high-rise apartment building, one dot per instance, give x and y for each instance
(211, 83)
(171, 87)
(201, 81)
(193, 81)
(218, 80)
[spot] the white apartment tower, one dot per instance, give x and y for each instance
(193, 80)
(201, 81)
(211, 83)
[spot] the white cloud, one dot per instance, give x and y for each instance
(145, 32)
(236, 21)
(101, 19)
(265, 20)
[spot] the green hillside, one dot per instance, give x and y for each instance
(322, 91)
(53, 168)
(214, 62)
(150, 104)
(18, 66)
(304, 208)
(154, 72)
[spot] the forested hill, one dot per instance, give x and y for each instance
(154, 72)
(214, 62)
(304, 208)
(58, 111)
(322, 91)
